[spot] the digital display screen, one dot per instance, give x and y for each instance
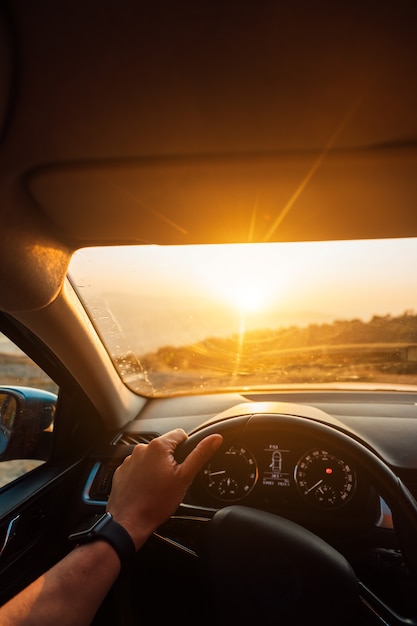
(275, 471)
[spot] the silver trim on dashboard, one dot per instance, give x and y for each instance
(385, 516)
(194, 508)
(178, 543)
(175, 544)
(87, 487)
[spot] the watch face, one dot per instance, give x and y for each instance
(90, 528)
(104, 527)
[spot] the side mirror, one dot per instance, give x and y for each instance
(26, 422)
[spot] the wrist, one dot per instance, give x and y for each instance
(105, 528)
(138, 533)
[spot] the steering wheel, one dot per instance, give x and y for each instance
(264, 569)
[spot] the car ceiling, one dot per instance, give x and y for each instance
(185, 122)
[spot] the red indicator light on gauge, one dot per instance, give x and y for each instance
(329, 470)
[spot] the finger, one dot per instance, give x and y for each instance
(174, 437)
(200, 455)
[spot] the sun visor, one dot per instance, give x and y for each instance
(356, 194)
(33, 258)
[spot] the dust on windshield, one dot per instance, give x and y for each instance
(181, 319)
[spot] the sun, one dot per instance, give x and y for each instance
(247, 298)
(235, 275)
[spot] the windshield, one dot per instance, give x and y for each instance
(197, 319)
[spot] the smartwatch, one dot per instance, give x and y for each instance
(105, 528)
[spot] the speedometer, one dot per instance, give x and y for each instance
(324, 479)
(231, 474)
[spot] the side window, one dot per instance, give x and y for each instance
(27, 407)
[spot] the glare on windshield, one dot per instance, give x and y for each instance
(177, 319)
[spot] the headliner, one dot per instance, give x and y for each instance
(194, 122)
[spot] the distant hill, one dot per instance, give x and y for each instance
(345, 350)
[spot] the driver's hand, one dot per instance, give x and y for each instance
(149, 485)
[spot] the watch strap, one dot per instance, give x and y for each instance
(104, 527)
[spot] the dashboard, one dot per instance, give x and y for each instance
(283, 469)
(274, 459)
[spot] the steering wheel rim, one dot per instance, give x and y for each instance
(234, 524)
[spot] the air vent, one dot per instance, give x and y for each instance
(132, 439)
(98, 484)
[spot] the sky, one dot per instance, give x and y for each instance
(157, 295)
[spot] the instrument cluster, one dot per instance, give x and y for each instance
(276, 473)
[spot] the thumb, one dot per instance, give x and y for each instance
(203, 451)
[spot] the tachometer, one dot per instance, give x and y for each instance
(231, 474)
(324, 480)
